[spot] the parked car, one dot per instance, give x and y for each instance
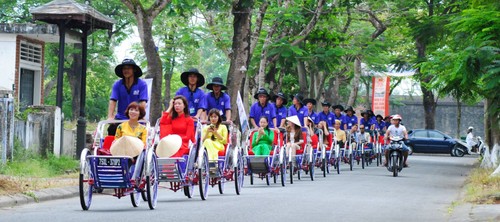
(430, 141)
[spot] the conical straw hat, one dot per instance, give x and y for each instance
(169, 145)
(127, 146)
(295, 120)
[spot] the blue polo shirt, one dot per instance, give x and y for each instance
(379, 126)
(301, 113)
(256, 111)
(196, 99)
(119, 93)
(350, 121)
(314, 116)
(341, 118)
(281, 113)
(222, 103)
(366, 123)
(328, 117)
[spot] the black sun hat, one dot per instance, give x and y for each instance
(185, 75)
(216, 81)
(369, 112)
(261, 91)
(128, 62)
(280, 95)
(326, 103)
(350, 109)
(309, 100)
(299, 97)
(378, 115)
(338, 107)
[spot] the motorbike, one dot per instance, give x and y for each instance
(460, 149)
(395, 162)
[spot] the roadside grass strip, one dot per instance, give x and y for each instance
(481, 188)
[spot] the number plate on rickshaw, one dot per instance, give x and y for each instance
(109, 162)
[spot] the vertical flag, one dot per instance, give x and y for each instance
(380, 95)
(242, 114)
(149, 82)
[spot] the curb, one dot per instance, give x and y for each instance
(38, 196)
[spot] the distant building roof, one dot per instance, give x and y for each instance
(43, 32)
(76, 15)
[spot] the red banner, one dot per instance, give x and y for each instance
(380, 95)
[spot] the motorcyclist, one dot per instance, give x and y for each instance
(471, 140)
(396, 129)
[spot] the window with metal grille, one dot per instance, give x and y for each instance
(31, 52)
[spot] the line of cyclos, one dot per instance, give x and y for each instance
(195, 172)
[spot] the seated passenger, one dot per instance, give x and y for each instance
(323, 125)
(130, 137)
(214, 136)
(262, 140)
(294, 138)
(176, 120)
(340, 134)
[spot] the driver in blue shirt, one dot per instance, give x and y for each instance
(350, 119)
(193, 80)
(262, 108)
(280, 106)
(130, 88)
(326, 115)
(298, 109)
(218, 99)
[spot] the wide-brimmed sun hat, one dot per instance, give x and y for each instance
(169, 145)
(128, 62)
(309, 100)
(369, 112)
(338, 107)
(216, 81)
(261, 91)
(280, 95)
(299, 97)
(185, 75)
(294, 119)
(326, 103)
(350, 109)
(127, 146)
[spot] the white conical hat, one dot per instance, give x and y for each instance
(295, 120)
(127, 146)
(169, 145)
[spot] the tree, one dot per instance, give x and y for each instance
(144, 18)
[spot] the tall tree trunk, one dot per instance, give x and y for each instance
(74, 74)
(145, 18)
(169, 71)
(240, 56)
(355, 81)
(301, 70)
(271, 77)
(428, 96)
(367, 93)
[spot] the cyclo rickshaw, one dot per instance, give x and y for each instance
(364, 151)
(323, 160)
(304, 159)
(229, 166)
(265, 166)
(182, 172)
(99, 171)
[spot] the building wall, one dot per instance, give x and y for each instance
(38, 68)
(7, 61)
(412, 111)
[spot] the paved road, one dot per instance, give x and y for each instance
(424, 192)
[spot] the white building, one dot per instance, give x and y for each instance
(22, 49)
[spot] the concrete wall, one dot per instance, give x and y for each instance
(6, 128)
(412, 111)
(7, 61)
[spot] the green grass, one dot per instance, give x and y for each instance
(29, 164)
(481, 188)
